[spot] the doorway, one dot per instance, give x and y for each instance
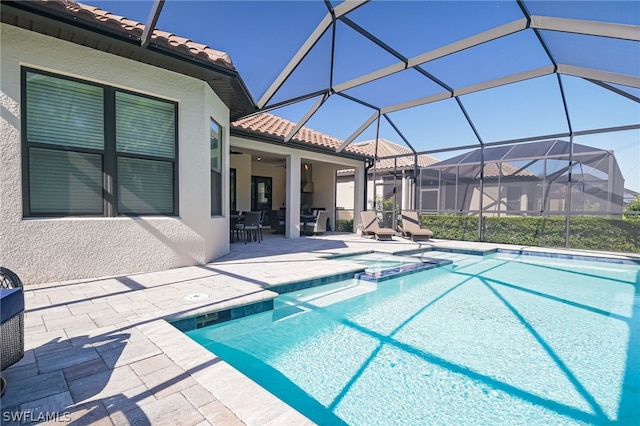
(261, 193)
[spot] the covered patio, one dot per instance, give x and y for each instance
(294, 179)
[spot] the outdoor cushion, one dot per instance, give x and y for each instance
(11, 303)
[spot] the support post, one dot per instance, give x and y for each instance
(292, 227)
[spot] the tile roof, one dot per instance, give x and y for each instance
(135, 29)
(272, 125)
(387, 148)
(491, 170)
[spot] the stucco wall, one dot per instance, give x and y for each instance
(43, 250)
(242, 164)
(324, 178)
(345, 188)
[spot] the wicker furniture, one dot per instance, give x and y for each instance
(12, 316)
(319, 226)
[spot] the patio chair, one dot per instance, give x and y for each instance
(411, 227)
(370, 226)
(319, 226)
(250, 226)
(11, 321)
(263, 217)
(282, 220)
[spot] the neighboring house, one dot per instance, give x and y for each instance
(115, 156)
(525, 178)
(390, 179)
(629, 196)
(519, 179)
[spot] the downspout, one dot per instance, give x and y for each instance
(368, 164)
(414, 202)
(480, 216)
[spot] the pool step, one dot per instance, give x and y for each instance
(387, 274)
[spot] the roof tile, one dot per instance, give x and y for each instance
(120, 23)
(269, 124)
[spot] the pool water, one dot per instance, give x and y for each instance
(499, 339)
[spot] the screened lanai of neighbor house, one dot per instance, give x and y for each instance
(521, 127)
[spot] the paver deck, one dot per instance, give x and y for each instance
(99, 351)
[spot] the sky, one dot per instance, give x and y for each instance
(261, 37)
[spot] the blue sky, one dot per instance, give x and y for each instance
(261, 37)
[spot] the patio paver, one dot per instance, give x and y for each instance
(99, 351)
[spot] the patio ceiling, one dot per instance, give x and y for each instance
(431, 75)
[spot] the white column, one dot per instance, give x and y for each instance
(358, 194)
(406, 191)
(292, 228)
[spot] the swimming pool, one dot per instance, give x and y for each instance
(499, 339)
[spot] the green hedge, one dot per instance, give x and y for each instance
(584, 232)
(461, 228)
(344, 225)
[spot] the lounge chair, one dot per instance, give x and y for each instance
(370, 226)
(411, 227)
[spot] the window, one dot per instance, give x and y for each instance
(429, 200)
(514, 195)
(232, 189)
(216, 168)
(91, 149)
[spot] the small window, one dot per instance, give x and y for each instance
(83, 139)
(216, 168)
(429, 200)
(514, 196)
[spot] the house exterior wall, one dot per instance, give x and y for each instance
(242, 164)
(345, 187)
(53, 249)
(324, 177)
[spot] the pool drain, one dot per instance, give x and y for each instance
(196, 296)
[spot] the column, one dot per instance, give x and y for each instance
(292, 227)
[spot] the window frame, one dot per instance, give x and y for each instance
(109, 153)
(233, 189)
(220, 172)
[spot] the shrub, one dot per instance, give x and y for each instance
(592, 233)
(634, 208)
(448, 227)
(344, 225)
